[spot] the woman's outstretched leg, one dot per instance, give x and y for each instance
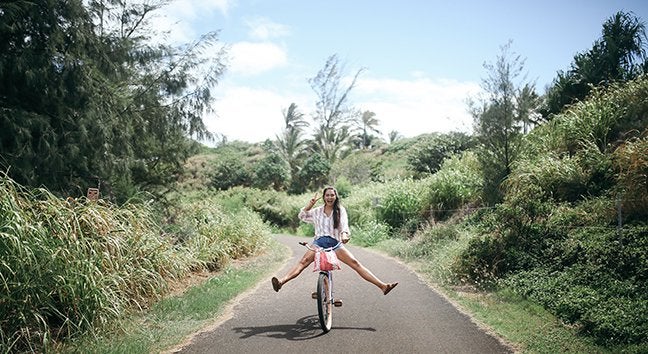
(347, 258)
(304, 262)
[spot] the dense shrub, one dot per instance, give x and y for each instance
(217, 237)
(562, 178)
(274, 207)
(631, 162)
(428, 239)
(314, 173)
(230, 171)
(401, 205)
(362, 203)
(428, 153)
(606, 307)
(359, 167)
(272, 172)
(369, 234)
(343, 187)
(457, 183)
(609, 115)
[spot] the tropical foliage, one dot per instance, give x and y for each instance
(500, 118)
(87, 99)
(619, 55)
(550, 207)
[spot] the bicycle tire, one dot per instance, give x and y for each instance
(324, 304)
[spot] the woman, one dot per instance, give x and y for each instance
(331, 227)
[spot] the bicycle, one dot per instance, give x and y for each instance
(324, 294)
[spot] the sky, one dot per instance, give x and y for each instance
(421, 59)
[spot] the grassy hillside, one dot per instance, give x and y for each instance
(570, 235)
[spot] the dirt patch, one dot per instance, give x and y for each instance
(179, 286)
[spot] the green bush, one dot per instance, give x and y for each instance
(362, 203)
(401, 205)
(276, 208)
(610, 115)
(358, 168)
(428, 239)
(457, 183)
(631, 164)
(271, 172)
(427, 155)
(230, 171)
(561, 178)
(343, 187)
(608, 309)
(369, 234)
(217, 237)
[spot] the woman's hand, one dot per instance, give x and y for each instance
(313, 200)
(344, 237)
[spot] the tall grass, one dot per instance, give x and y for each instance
(68, 266)
(72, 266)
(606, 119)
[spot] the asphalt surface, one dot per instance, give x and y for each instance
(413, 318)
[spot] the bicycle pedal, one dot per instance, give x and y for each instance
(337, 303)
(314, 295)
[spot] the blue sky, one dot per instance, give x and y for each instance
(422, 59)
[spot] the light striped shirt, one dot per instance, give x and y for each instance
(324, 223)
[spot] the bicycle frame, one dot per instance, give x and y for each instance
(325, 309)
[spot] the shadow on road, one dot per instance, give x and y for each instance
(306, 328)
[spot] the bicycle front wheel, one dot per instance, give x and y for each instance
(324, 303)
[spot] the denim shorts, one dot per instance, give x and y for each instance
(326, 242)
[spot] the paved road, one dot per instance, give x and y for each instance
(411, 319)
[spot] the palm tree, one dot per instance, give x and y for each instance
(294, 119)
(623, 42)
(394, 136)
(290, 142)
(367, 123)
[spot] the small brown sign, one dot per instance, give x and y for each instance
(93, 193)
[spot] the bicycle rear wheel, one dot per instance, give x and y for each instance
(324, 303)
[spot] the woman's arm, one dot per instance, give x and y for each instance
(311, 203)
(345, 233)
(305, 214)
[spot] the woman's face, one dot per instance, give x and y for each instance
(329, 197)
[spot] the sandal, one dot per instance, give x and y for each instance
(276, 284)
(389, 288)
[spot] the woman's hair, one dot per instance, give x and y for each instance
(336, 206)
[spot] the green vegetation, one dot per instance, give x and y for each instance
(71, 266)
(89, 100)
(552, 247)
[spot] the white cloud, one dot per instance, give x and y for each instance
(191, 9)
(249, 114)
(263, 29)
(413, 107)
(253, 58)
